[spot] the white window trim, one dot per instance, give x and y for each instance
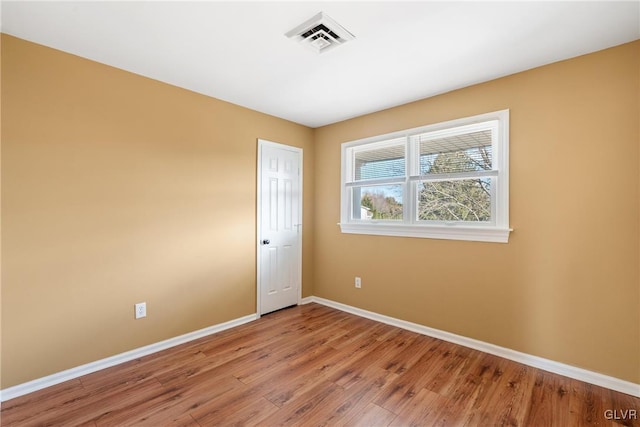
(497, 232)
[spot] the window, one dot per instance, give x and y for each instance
(447, 181)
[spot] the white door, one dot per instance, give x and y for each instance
(279, 226)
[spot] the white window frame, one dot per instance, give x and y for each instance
(495, 231)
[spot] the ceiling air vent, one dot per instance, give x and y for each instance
(320, 33)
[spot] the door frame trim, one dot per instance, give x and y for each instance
(262, 143)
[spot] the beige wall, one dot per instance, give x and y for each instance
(566, 286)
(119, 189)
(0, 213)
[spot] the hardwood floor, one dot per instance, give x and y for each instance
(312, 365)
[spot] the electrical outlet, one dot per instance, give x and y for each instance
(358, 282)
(141, 310)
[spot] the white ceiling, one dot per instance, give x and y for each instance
(403, 51)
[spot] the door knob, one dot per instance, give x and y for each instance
(266, 241)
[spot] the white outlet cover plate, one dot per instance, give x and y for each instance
(141, 310)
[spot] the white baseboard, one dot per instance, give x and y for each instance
(70, 374)
(526, 359)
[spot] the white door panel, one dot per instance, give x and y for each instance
(279, 220)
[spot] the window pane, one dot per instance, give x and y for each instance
(458, 200)
(379, 202)
(467, 152)
(384, 160)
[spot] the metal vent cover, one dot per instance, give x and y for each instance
(321, 33)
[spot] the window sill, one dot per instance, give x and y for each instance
(453, 232)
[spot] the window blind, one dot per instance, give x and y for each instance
(382, 160)
(468, 152)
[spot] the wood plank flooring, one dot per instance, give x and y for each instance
(315, 366)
